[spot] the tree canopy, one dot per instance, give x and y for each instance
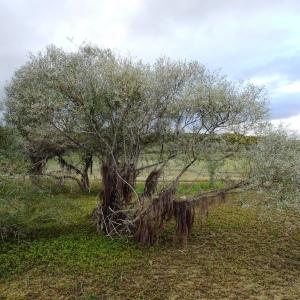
(118, 109)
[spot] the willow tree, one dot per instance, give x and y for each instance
(119, 109)
(40, 140)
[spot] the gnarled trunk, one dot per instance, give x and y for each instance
(148, 219)
(38, 164)
(84, 174)
(83, 182)
(116, 194)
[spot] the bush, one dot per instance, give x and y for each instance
(25, 207)
(12, 160)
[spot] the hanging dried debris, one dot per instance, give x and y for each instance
(150, 222)
(165, 207)
(151, 182)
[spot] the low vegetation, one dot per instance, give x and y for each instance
(238, 252)
(103, 156)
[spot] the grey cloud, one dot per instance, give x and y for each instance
(244, 38)
(284, 107)
(288, 66)
(237, 36)
(156, 16)
(28, 26)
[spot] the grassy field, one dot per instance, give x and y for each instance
(236, 254)
(198, 171)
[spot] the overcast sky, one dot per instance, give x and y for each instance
(257, 40)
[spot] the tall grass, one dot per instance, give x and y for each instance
(25, 207)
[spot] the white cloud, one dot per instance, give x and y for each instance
(246, 39)
(292, 123)
(293, 87)
(265, 80)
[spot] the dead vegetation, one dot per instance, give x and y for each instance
(145, 219)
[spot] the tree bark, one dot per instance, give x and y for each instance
(116, 194)
(38, 164)
(84, 182)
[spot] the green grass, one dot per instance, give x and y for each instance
(80, 251)
(194, 188)
(198, 171)
(236, 254)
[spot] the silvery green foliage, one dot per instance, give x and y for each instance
(94, 97)
(272, 166)
(118, 107)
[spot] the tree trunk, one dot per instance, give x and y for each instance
(37, 167)
(88, 165)
(84, 183)
(116, 194)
